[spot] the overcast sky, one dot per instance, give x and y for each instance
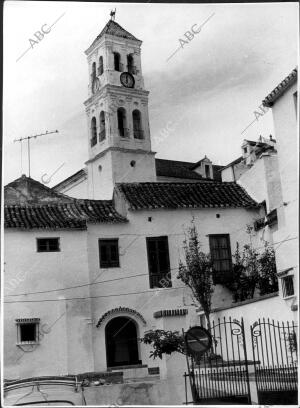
(209, 89)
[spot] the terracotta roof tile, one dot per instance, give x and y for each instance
(185, 195)
(61, 216)
(281, 88)
(113, 28)
(29, 204)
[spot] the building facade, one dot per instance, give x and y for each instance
(91, 264)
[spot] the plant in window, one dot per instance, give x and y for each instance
(252, 271)
(268, 281)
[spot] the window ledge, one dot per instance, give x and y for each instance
(161, 289)
(289, 297)
(28, 343)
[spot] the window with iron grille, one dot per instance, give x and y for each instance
(109, 253)
(287, 283)
(27, 331)
(221, 257)
(48, 244)
(158, 262)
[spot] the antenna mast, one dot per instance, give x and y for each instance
(28, 144)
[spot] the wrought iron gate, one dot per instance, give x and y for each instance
(221, 375)
(276, 361)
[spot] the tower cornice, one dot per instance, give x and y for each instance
(118, 90)
(120, 149)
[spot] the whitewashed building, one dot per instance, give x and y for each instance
(85, 261)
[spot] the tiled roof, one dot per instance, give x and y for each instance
(26, 190)
(60, 216)
(29, 204)
(185, 195)
(281, 88)
(113, 28)
(177, 169)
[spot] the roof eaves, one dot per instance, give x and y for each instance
(281, 88)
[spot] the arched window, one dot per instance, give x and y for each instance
(130, 64)
(102, 127)
(100, 69)
(137, 125)
(117, 61)
(93, 131)
(93, 70)
(122, 122)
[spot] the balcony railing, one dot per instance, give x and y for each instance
(159, 280)
(124, 132)
(102, 135)
(138, 134)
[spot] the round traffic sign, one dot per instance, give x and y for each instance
(198, 340)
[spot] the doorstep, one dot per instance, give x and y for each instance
(126, 367)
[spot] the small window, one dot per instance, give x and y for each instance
(287, 286)
(48, 245)
(207, 171)
(221, 257)
(109, 253)
(27, 331)
(158, 262)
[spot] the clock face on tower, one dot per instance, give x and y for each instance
(127, 80)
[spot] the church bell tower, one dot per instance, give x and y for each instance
(117, 113)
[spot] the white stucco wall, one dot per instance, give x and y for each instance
(68, 344)
(79, 189)
(285, 125)
(267, 308)
(133, 261)
(80, 344)
(262, 181)
(116, 168)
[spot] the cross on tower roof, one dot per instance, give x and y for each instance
(113, 14)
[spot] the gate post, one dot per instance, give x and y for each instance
(246, 360)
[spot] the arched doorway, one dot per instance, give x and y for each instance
(121, 342)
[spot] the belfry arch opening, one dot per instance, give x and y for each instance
(93, 131)
(137, 124)
(117, 61)
(102, 134)
(122, 122)
(130, 64)
(100, 69)
(121, 342)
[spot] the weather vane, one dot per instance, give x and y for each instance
(113, 14)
